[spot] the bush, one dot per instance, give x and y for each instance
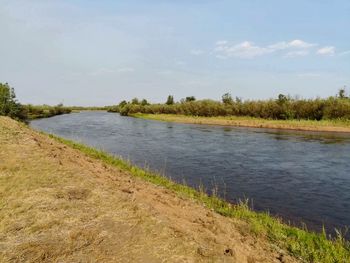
(8, 103)
(282, 108)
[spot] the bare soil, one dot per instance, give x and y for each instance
(58, 205)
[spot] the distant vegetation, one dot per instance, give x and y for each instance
(282, 108)
(45, 111)
(9, 106)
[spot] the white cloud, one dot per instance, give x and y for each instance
(326, 51)
(294, 44)
(196, 52)
(126, 70)
(297, 53)
(288, 49)
(166, 72)
(221, 42)
(245, 49)
(300, 44)
(102, 71)
(180, 62)
(108, 71)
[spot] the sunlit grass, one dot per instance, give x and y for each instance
(322, 125)
(306, 245)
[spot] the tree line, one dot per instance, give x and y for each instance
(284, 107)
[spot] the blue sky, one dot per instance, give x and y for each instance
(101, 52)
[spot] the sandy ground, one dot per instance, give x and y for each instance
(303, 125)
(58, 205)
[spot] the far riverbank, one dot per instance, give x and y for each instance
(300, 125)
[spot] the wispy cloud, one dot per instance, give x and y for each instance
(196, 52)
(221, 42)
(249, 50)
(294, 44)
(102, 71)
(344, 53)
(326, 51)
(179, 62)
(108, 71)
(297, 53)
(245, 49)
(126, 70)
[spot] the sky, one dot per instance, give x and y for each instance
(81, 52)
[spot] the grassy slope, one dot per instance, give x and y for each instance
(60, 204)
(307, 125)
(311, 247)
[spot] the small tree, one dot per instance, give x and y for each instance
(8, 103)
(342, 93)
(144, 102)
(282, 98)
(135, 101)
(122, 103)
(170, 100)
(227, 98)
(190, 98)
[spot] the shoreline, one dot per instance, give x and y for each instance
(67, 178)
(249, 122)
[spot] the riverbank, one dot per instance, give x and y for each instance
(300, 125)
(62, 201)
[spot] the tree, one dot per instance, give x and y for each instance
(135, 101)
(144, 102)
(190, 98)
(122, 103)
(8, 103)
(282, 98)
(227, 98)
(342, 93)
(170, 100)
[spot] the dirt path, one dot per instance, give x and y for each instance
(57, 205)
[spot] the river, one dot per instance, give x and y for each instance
(302, 177)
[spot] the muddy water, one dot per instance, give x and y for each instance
(299, 176)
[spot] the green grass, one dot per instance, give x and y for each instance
(302, 244)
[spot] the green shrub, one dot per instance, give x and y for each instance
(8, 103)
(282, 108)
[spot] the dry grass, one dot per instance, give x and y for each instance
(302, 125)
(59, 205)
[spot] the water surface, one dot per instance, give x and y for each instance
(300, 176)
